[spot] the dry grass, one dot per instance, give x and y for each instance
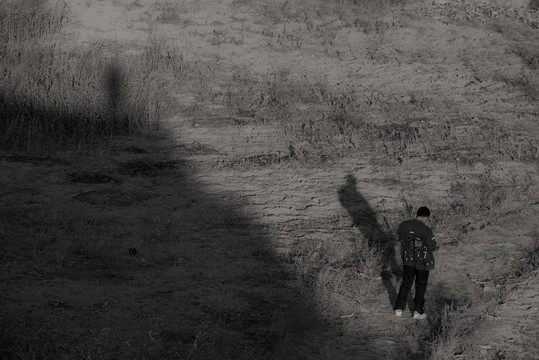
(342, 275)
(27, 20)
(54, 97)
(324, 123)
(454, 324)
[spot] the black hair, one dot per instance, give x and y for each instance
(423, 212)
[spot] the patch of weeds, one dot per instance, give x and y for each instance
(529, 263)
(513, 144)
(449, 332)
(340, 276)
(324, 123)
(342, 291)
(134, 5)
(260, 160)
(169, 12)
(220, 37)
(308, 257)
(521, 82)
(350, 278)
(368, 261)
(456, 314)
(477, 196)
(529, 55)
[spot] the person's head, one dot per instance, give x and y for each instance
(423, 214)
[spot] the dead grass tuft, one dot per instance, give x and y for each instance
(450, 331)
(342, 276)
(477, 196)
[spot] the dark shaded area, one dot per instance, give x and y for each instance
(33, 159)
(28, 127)
(92, 178)
(149, 168)
(244, 305)
(364, 218)
(114, 83)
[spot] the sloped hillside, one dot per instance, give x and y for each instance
(257, 222)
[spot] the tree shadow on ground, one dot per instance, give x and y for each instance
(364, 218)
(155, 265)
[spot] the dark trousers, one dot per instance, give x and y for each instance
(421, 278)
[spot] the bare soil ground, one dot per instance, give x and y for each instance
(226, 235)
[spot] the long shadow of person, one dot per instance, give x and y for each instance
(364, 218)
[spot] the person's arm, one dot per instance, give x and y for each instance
(431, 241)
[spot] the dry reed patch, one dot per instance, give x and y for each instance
(451, 331)
(322, 122)
(53, 97)
(494, 250)
(26, 20)
(343, 275)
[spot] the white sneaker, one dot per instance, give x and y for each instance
(419, 316)
(398, 312)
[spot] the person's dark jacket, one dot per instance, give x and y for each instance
(417, 244)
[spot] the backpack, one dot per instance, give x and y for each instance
(417, 247)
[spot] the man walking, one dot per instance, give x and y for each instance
(417, 245)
